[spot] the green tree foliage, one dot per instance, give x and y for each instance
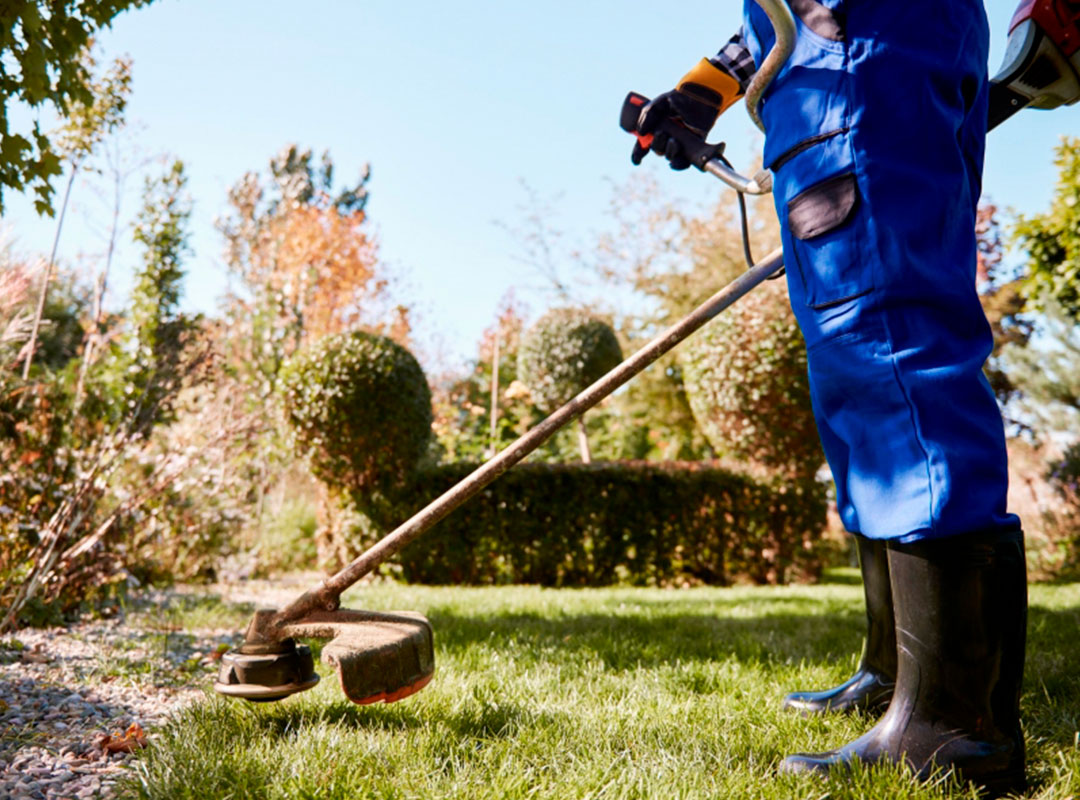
(746, 379)
(659, 423)
(1046, 374)
(86, 124)
(146, 367)
(1052, 239)
(41, 49)
(360, 409)
(463, 410)
(297, 178)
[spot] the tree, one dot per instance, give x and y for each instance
(1046, 374)
(148, 362)
(359, 409)
(1052, 239)
(1002, 299)
(463, 408)
(306, 265)
(86, 125)
(564, 352)
(44, 42)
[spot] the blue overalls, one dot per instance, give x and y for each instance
(875, 133)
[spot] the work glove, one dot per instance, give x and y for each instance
(704, 93)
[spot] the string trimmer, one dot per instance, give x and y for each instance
(388, 656)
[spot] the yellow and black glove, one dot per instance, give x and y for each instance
(704, 93)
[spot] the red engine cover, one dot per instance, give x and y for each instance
(1059, 19)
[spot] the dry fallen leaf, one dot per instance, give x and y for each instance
(34, 656)
(134, 738)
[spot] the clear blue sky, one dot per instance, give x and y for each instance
(453, 104)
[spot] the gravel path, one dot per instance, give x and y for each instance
(75, 701)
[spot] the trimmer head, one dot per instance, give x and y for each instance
(378, 656)
(264, 672)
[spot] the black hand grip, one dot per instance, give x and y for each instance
(697, 150)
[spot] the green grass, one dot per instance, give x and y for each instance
(607, 693)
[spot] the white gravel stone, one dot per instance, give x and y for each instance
(69, 687)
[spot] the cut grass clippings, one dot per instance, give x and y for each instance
(598, 693)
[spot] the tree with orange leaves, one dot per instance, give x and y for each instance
(306, 262)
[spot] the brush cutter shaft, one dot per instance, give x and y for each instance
(326, 595)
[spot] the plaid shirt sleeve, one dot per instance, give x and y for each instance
(735, 59)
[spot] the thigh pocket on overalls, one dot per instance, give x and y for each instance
(823, 221)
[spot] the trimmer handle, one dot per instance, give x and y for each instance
(706, 157)
(697, 150)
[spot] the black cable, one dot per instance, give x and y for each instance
(743, 220)
(745, 226)
(745, 231)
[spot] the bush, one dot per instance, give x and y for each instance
(592, 525)
(360, 409)
(565, 351)
(745, 376)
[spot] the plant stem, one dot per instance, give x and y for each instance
(583, 441)
(48, 274)
(494, 447)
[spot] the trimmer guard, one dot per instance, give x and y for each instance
(378, 656)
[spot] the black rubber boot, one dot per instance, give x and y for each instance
(961, 619)
(871, 687)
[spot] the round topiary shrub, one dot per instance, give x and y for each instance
(565, 351)
(746, 380)
(360, 409)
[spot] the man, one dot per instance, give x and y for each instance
(875, 133)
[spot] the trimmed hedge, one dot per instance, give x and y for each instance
(593, 525)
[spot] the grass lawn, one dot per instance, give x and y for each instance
(601, 693)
